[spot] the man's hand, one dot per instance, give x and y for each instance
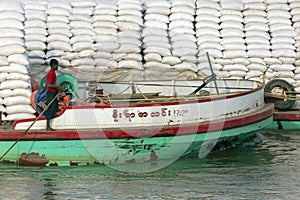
(60, 88)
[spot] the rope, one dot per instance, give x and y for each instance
(141, 93)
(99, 98)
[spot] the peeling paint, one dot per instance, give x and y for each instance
(8, 162)
(53, 164)
(33, 159)
(73, 163)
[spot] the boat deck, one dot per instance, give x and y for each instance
(117, 99)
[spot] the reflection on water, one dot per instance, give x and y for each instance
(265, 168)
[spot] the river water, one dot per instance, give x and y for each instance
(267, 167)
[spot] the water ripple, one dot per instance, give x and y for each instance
(264, 168)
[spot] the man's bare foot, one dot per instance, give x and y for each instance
(50, 129)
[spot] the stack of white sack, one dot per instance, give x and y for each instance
(156, 43)
(183, 36)
(15, 82)
(282, 39)
(35, 31)
(208, 37)
(58, 39)
(81, 24)
(129, 24)
(233, 41)
(257, 38)
(104, 18)
(206, 62)
(295, 12)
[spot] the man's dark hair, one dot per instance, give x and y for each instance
(53, 62)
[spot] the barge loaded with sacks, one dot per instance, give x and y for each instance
(284, 97)
(138, 122)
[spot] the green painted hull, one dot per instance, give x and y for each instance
(283, 125)
(134, 150)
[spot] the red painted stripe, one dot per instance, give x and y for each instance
(149, 104)
(187, 129)
(286, 116)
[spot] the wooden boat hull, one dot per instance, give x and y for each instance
(97, 147)
(285, 120)
(133, 130)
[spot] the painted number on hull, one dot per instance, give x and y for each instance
(143, 114)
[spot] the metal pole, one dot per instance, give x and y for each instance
(212, 72)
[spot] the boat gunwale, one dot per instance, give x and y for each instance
(293, 115)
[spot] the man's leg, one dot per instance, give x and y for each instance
(48, 127)
(52, 109)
